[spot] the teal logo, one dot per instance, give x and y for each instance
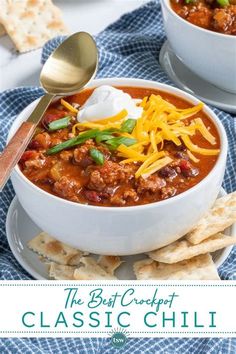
(118, 339)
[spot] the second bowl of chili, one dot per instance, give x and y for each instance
(202, 38)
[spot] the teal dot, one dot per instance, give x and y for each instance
(118, 340)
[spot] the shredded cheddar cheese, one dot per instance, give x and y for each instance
(128, 152)
(118, 117)
(160, 121)
(192, 147)
(110, 122)
(204, 131)
(153, 140)
(69, 106)
(156, 166)
(151, 159)
(88, 125)
(192, 157)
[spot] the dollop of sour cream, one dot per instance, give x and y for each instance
(107, 101)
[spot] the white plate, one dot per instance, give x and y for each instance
(193, 84)
(20, 229)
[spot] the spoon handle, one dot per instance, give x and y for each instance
(18, 143)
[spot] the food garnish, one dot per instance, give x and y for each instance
(161, 121)
(59, 123)
(73, 141)
(116, 118)
(115, 142)
(97, 156)
(68, 106)
(128, 125)
(104, 135)
(194, 148)
(223, 2)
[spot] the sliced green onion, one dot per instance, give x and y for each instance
(128, 125)
(114, 143)
(100, 136)
(59, 123)
(223, 2)
(189, 1)
(103, 137)
(90, 134)
(97, 156)
(106, 134)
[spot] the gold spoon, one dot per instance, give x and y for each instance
(69, 68)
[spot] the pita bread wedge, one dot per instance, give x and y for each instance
(109, 263)
(90, 270)
(183, 249)
(197, 268)
(61, 272)
(31, 23)
(54, 250)
(221, 216)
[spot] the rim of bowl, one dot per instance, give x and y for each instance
(167, 4)
(159, 86)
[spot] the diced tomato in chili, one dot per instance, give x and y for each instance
(28, 155)
(184, 165)
(187, 169)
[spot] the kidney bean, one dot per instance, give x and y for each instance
(34, 145)
(167, 172)
(92, 196)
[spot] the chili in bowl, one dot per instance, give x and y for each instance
(202, 34)
(123, 167)
(214, 15)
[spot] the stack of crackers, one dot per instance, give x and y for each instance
(67, 263)
(186, 259)
(30, 23)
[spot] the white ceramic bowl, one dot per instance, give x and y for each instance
(117, 230)
(210, 55)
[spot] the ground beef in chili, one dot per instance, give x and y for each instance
(73, 175)
(208, 14)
